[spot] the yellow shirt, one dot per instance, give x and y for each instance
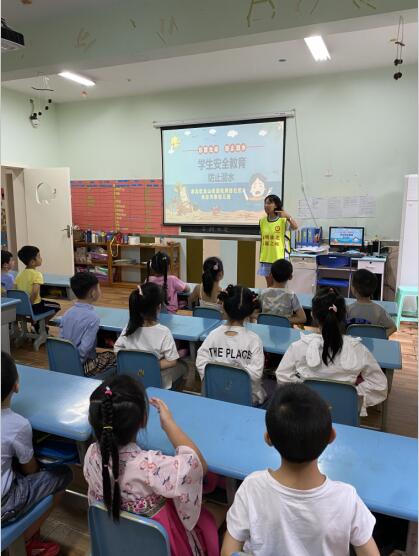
(26, 279)
(272, 243)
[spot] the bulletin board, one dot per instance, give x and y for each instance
(129, 206)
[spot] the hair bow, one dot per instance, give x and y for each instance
(333, 308)
(215, 267)
(108, 391)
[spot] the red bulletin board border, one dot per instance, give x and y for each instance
(129, 206)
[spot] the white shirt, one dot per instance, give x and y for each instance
(273, 519)
(243, 350)
(303, 360)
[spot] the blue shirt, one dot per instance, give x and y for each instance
(7, 280)
(80, 325)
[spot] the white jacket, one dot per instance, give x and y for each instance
(303, 360)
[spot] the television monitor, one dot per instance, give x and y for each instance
(346, 238)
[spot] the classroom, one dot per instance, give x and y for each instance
(209, 233)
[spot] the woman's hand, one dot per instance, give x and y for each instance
(166, 417)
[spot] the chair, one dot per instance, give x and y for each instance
(24, 313)
(141, 365)
(12, 533)
(133, 534)
(367, 331)
(63, 357)
(273, 320)
(207, 313)
(333, 263)
(342, 398)
(227, 384)
(402, 293)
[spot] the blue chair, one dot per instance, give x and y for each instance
(141, 365)
(12, 533)
(273, 320)
(63, 357)
(333, 262)
(207, 313)
(133, 534)
(25, 314)
(342, 399)
(227, 384)
(367, 331)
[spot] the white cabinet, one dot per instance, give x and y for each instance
(304, 275)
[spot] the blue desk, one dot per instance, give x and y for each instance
(56, 282)
(8, 315)
(230, 437)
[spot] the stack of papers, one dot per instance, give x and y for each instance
(312, 249)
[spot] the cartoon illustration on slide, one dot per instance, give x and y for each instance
(182, 201)
(257, 189)
(174, 144)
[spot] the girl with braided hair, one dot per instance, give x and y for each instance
(158, 271)
(125, 477)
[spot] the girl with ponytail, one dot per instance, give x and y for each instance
(167, 489)
(158, 272)
(206, 293)
(331, 355)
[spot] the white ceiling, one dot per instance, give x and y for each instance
(349, 51)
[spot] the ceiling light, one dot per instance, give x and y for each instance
(77, 78)
(317, 48)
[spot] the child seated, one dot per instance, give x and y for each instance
(167, 489)
(295, 510)
(30, 280)
(233, 344)
(7, 264)
(158, 269)
(144, 332)
(23, 488)
(80, 324)
(206, 293)
(364, 310)
(277, 300)
(331, 355)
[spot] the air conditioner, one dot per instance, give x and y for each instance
(10, 40)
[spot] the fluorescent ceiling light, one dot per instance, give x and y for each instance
(77, 78)
(317, 48)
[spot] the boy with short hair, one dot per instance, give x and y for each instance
(364, 310)
(277, 300)
(30, 280)
(22, 489)
(80, 324)
(296, 510)
(7, 264)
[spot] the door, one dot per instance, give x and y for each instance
(48, 216)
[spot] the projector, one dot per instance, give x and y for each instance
(10, 40)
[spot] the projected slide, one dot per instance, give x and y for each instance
(220, 174)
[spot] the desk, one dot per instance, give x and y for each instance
(230, 437)
(8, 315)
(56, 282)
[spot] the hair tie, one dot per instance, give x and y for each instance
(140, 291)
(333, 308)
(116, 480)
(105, 465)
(108, 427)
(108, 391)
(215, 267)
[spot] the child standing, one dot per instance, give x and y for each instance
(364, 310)
(331, 355)
(80, 324)
(233, 344)
(295, 509)
(277, 300)
(144, 332)
(272, 231)
(30, 280)
(7, 264)
(167, 489)
(158, 272)
(206, 293)
(22, 489)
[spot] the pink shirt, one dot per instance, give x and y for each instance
(174, 286)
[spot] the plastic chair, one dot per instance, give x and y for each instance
(367, 331)
(342, 398)
(133, 534)
(63, 357)
(402, 293)
(24, 313)
(141, 365)
(333, 262)
(273, 320)
(207, 313)
(12, 534)
(227, 384)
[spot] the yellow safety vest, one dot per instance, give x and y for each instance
(272, 243)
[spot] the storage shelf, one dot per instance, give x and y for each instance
(89, 243)
(103, 263)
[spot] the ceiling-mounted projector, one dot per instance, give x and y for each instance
(10, 40)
